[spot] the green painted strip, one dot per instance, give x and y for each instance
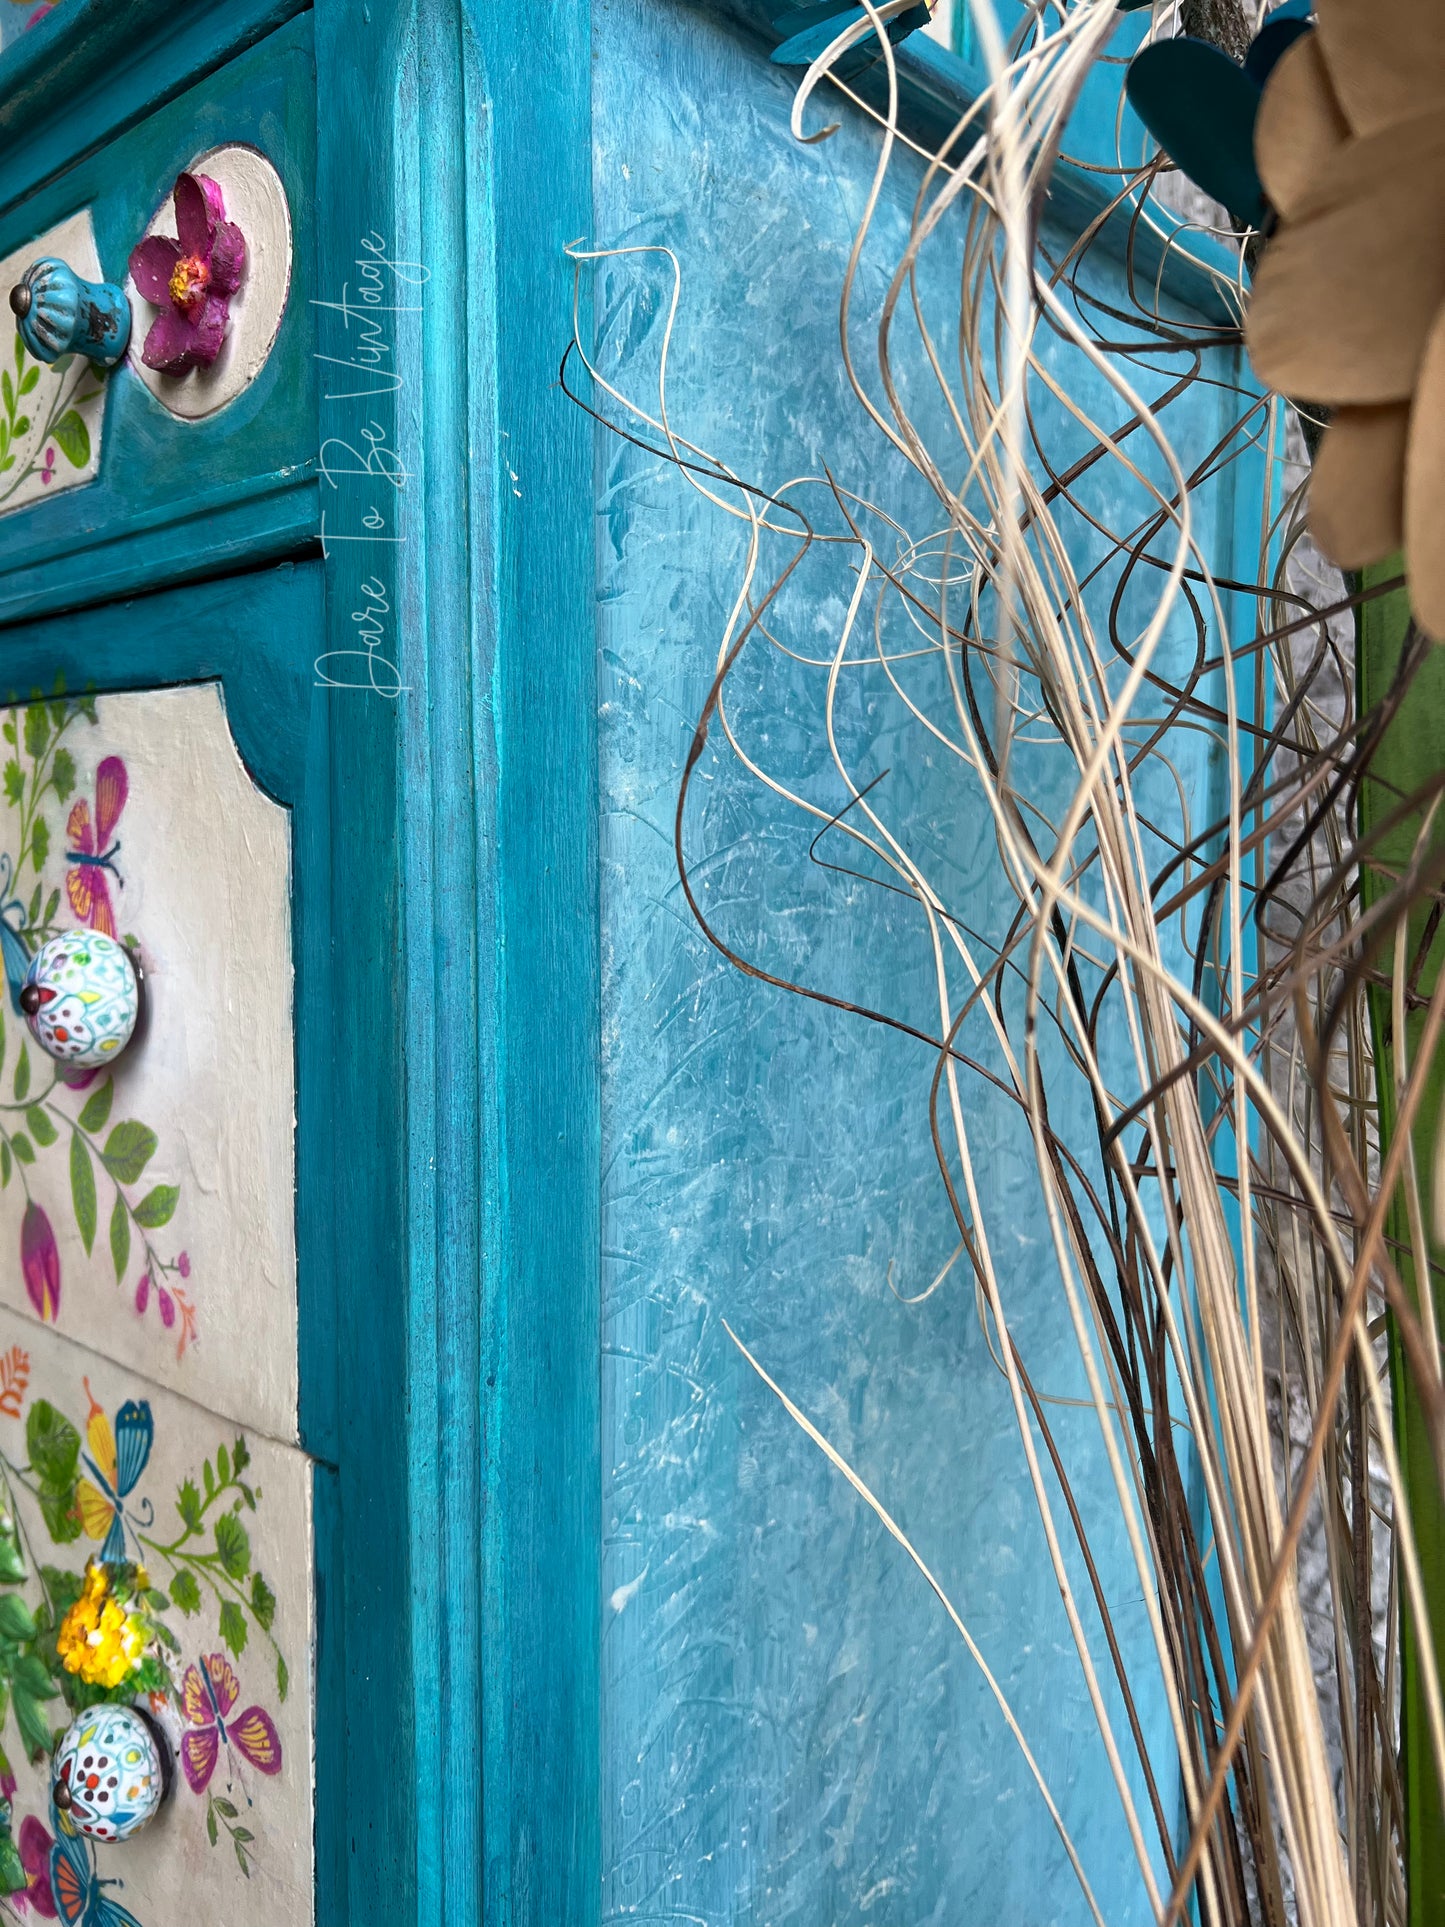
(1410, 753)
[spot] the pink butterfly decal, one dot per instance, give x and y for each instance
(88, 855)
(208, 1692)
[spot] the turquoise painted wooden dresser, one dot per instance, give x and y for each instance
(373, 1302)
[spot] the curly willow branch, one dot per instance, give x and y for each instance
(1219, 1233)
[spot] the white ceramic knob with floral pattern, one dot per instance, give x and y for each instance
(110, 1773)
(81, 998)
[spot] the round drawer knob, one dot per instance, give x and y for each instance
(110, 1773)
(81, 998)
(59, 314)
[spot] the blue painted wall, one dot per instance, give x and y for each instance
(792, 1734)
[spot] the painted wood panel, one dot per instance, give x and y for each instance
(221, 1523)
(793, 1735)
(51, 415)
(167, 1185)
(167, 498)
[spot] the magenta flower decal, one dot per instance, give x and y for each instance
(191, 279)
(40, 1262)
(35, 1845)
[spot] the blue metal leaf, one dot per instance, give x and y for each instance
(1200, 106)
(1282, 29)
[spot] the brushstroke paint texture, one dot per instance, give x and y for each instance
(792, 1735)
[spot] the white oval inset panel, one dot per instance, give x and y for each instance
(256, 202)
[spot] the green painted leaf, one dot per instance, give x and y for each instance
(245, 1864)
(128, 1150)
(29, 1674)
(22, 1074)
(233, 1544)
(74, 438)
(211, 1829)
(62, 1589)
(234, 1630)
(22, 425)
(283, 1678)
(223, 1466)
(82, 1190)
(23, 1148)
(32, 915)
(157, 1207)
(52, 904)
(12, 1562)
(28, 380)
(34, 1727)
(37, 730)
(41, 1128)
(17, 1622)
(185, 1593)
(53, 1444)
(62, 1520)
(62, 773)
(7, 388)
(210, 1479)
(240, 1456)
(13, 1877)
(263, 1602)
(40, 842)
(188, 1504)
(225, 1808)
(242, 1833)
(14, 781)
(119, 1237)
(97, 1107)
(6, 1164)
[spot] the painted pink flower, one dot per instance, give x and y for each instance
(167, 1305)
(35, 1845)
(47, 473)
(190, 279)
(183, 1264)
(8, 1786)
(40, 1262)
(143, 1293)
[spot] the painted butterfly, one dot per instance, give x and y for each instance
(208, 1692)
(115, 1461)
(88, 855)
(13, 954)
(76, 1888)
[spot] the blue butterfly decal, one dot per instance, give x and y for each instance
(77, 1889)
(13, 954)
(115, 1461)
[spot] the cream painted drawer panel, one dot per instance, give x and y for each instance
(150, 1210)
(221, 1522)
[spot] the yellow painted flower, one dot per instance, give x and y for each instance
(98, 1638)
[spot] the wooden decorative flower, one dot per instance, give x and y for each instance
(1348, 307)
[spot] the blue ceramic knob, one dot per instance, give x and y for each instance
(81, 998)
(59, 314)
(110, 1773)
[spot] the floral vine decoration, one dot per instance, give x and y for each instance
(190, 279)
